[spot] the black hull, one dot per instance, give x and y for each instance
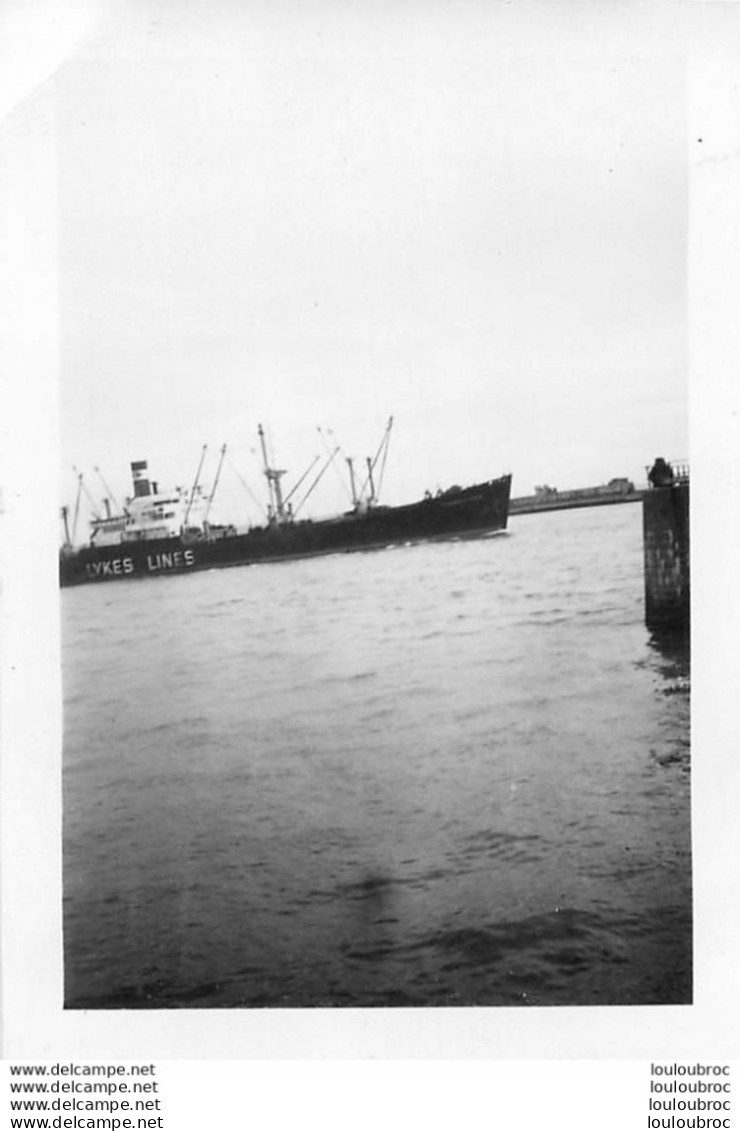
(480, 509)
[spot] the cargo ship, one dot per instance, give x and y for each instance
(161, 533)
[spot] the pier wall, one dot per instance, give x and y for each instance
(665, 523)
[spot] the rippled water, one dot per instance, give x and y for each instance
(446, 774)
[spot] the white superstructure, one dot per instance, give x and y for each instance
(151, 514)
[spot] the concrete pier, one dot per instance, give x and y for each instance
(665, 524)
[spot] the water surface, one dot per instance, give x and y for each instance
(448, 774)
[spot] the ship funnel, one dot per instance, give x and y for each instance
(140, 476)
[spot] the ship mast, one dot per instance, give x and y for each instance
(276, 510)
(93, 505)
(215, 484)
(195, 487)
(77, 503)
(384, 445)
(355, 500)
(374, 495)
(371, 500)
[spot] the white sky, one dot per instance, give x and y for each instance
(470, 216)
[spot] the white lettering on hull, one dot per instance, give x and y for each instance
(122, 567)
(115, 567)
(178, 559)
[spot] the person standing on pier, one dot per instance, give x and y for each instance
(661, 474)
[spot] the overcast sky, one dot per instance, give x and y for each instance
(470, 216)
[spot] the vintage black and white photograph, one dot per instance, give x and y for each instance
(373, 509)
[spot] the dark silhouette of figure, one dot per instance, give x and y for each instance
(661, 473)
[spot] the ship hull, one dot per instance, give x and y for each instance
(471, 511)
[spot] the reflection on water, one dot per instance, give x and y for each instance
(448, 774)
(673, 656)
